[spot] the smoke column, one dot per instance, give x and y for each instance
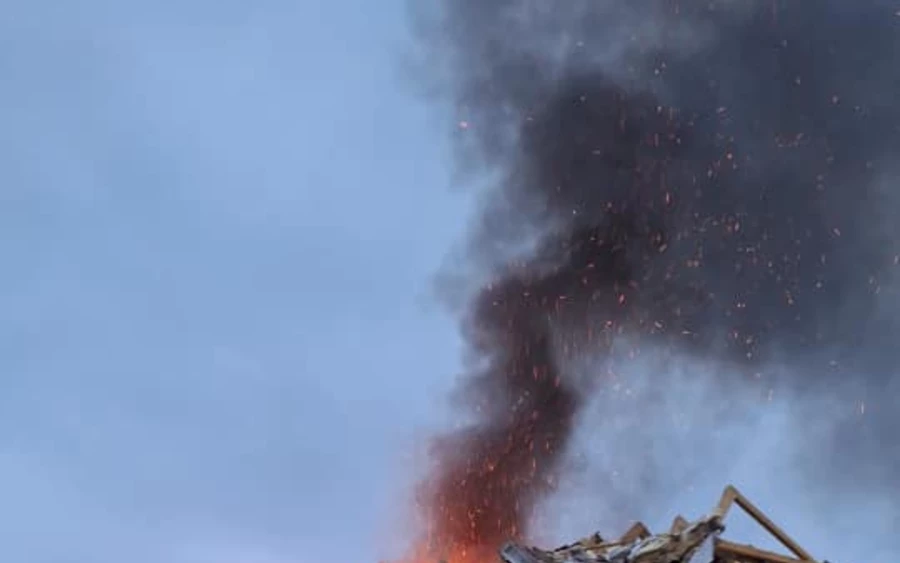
(710, 178)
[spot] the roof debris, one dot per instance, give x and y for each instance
(699, 541)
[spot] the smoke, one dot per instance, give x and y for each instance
(647, 446)
(693, 181)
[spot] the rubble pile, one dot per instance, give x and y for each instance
(699, 541)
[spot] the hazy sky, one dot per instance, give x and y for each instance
(219, 222)
(219, 226)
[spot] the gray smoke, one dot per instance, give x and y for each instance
(711, 182)
(663, 436)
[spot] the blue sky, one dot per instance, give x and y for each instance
(219, 225)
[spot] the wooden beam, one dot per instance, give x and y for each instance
(635, 532)
(678, 525)
(733, 496)
(731, 551)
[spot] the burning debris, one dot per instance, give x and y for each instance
(685, 542)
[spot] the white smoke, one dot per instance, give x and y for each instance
(664, 436)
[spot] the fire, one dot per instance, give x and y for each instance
(459, 554)
(486, 479)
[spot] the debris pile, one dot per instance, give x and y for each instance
(685, 542)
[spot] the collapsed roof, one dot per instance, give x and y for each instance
(685, 542)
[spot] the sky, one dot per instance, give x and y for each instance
(219, 228)
(219, 224)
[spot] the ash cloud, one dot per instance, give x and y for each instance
(709, 180)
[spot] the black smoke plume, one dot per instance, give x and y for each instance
(715, 178)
